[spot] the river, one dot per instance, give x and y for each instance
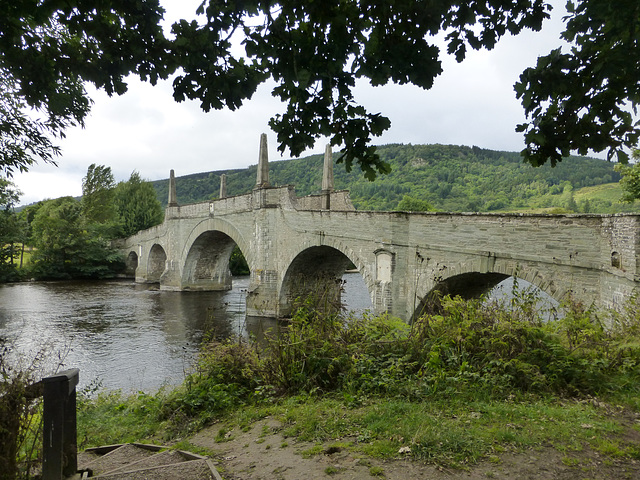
(129, 336)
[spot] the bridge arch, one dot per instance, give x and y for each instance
(205, 258)
(131, 263)
(468, 281)
(157, 263)
(315, 272)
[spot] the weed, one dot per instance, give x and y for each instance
(21, 409)
(570, 462)
(331, 470)
(376, 471)
(313, 451)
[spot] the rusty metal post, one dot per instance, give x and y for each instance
(60, 449)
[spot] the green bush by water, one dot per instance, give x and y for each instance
(470, 379)
(471, 348)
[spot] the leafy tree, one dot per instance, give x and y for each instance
(630, 180)
(237, 263)
(137, 205)
(583, 99)
(98, 194)
(23, 136)
(57, 230)
(411, 204)
(48, 49)
(10, 230)
(67, 246)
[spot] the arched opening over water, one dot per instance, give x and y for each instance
(494, 286)
(315, 275)
(207, 265)
(131, 264)
(156, 264)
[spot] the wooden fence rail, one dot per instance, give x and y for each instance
(60, 448)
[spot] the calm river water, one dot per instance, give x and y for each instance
(128, 336)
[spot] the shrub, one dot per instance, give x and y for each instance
(472, 347)
(20, 415)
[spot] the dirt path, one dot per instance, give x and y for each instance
(263, 453)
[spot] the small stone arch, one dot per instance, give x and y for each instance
(208, 250)
(156, 264)
(315, 274)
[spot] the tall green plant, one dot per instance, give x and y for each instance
(20, 414)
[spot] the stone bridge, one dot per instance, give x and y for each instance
(295, 245)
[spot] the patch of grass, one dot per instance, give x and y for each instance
(331, 470)
(570, 462)
(190, 447)
(614, 449)
(376, 471)
(453, 432)
(313, 451)
(113, 417)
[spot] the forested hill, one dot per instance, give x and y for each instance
(450, 178)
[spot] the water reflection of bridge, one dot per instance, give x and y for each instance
(293, 243)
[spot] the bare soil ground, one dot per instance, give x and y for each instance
(264, 453)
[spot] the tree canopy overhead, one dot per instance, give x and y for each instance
(314, 51)
(49, 49)
(586, 98)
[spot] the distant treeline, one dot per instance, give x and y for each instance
(450, 178)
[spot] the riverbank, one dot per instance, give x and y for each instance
(478, 388)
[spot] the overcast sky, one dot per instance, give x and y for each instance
(472, 103)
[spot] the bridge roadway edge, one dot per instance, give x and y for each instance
(402, 256)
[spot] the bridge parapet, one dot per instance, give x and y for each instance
(227, 205)
(338, 200)
(193, 210)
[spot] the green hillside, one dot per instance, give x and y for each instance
(451, 178)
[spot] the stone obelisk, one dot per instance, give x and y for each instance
(263, 163)
(327, 178)
(223, 186)
(173, 199)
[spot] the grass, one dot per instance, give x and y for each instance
(448, 432)
(604, 198)
(611, 192)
